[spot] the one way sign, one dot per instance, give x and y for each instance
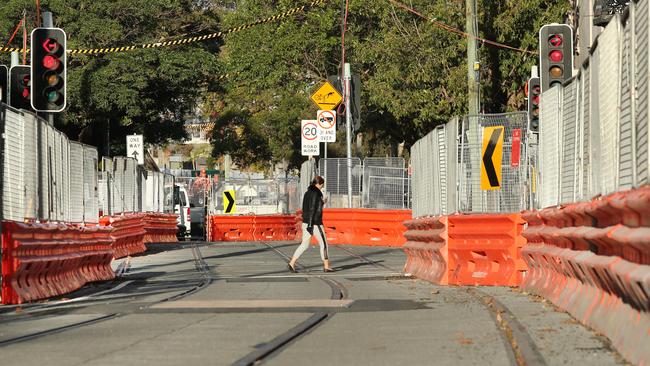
(135, 148)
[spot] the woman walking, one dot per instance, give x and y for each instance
(312, 224)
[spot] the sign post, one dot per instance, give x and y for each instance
(309, 138)
(135, 148)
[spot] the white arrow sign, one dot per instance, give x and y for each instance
(135, 148)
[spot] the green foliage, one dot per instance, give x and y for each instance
(144, 91)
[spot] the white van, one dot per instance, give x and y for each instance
(182, 209)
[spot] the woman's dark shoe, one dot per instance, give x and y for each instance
(329, 270)
(292, 268)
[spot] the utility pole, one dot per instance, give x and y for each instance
(471, 124)
(348, 129)
(472, 57)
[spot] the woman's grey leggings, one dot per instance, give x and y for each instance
(319, 233)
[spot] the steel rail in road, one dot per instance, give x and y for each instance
(279, 343)
(199, 263)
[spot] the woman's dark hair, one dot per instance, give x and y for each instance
(317, 180)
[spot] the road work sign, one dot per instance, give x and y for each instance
(326, 97)
(309, 137)
(326, 126)
(491, 158)
(135, 148)
(229, 205)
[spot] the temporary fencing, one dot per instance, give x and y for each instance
(466, 249)
(256, 196)
(376, 182)
(593, 260)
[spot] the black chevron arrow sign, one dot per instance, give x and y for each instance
(230, 201)
(491, 161)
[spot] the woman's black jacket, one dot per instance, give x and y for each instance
(312, 206)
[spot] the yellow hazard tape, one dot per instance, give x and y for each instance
(178, 42)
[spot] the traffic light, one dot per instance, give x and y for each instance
(20, 87)
(534, 93)
(4, 84)
(555, 55)
(48, 70)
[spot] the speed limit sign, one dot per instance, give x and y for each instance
(309, 138)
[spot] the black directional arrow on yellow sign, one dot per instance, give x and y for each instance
(229, 202)
(491, 158)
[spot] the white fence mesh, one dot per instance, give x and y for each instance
(47, 177)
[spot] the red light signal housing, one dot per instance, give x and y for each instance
(48, 78)
(20, 82)
(555, 55)
(533, 98)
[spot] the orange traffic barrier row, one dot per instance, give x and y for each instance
(252, 228)
(592, 260)
(466, 249)
(128, 234)
(368, 227)
(160, 228)
(44, 260)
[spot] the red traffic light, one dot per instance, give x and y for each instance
(51, 62)
(556, 56)
(26, 80)
(555, 40)
(536, 99)
(25, 93)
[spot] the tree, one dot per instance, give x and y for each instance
(146, 91)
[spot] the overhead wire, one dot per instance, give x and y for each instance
(458, 31)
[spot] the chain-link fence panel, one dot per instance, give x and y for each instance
(385, 187)
(335, 173)
(308, 171)
(374, 165)
(13, 183)
(476, 163)
(626, 147)
(256, 196)
(569, 144)
(77, 182)
(609, 94)
(168, 193)
(117, 191)
(91, 211)
(550, 145)
(642, 90)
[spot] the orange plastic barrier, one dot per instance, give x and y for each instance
(252, 228)
(359, 226)
(45, 260)
(592, 260)
(128, 233)
(466, 249)
(160, 228)
(426, 249)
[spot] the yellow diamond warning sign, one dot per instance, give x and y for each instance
(326, 97)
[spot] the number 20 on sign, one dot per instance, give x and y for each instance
(309, 138)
